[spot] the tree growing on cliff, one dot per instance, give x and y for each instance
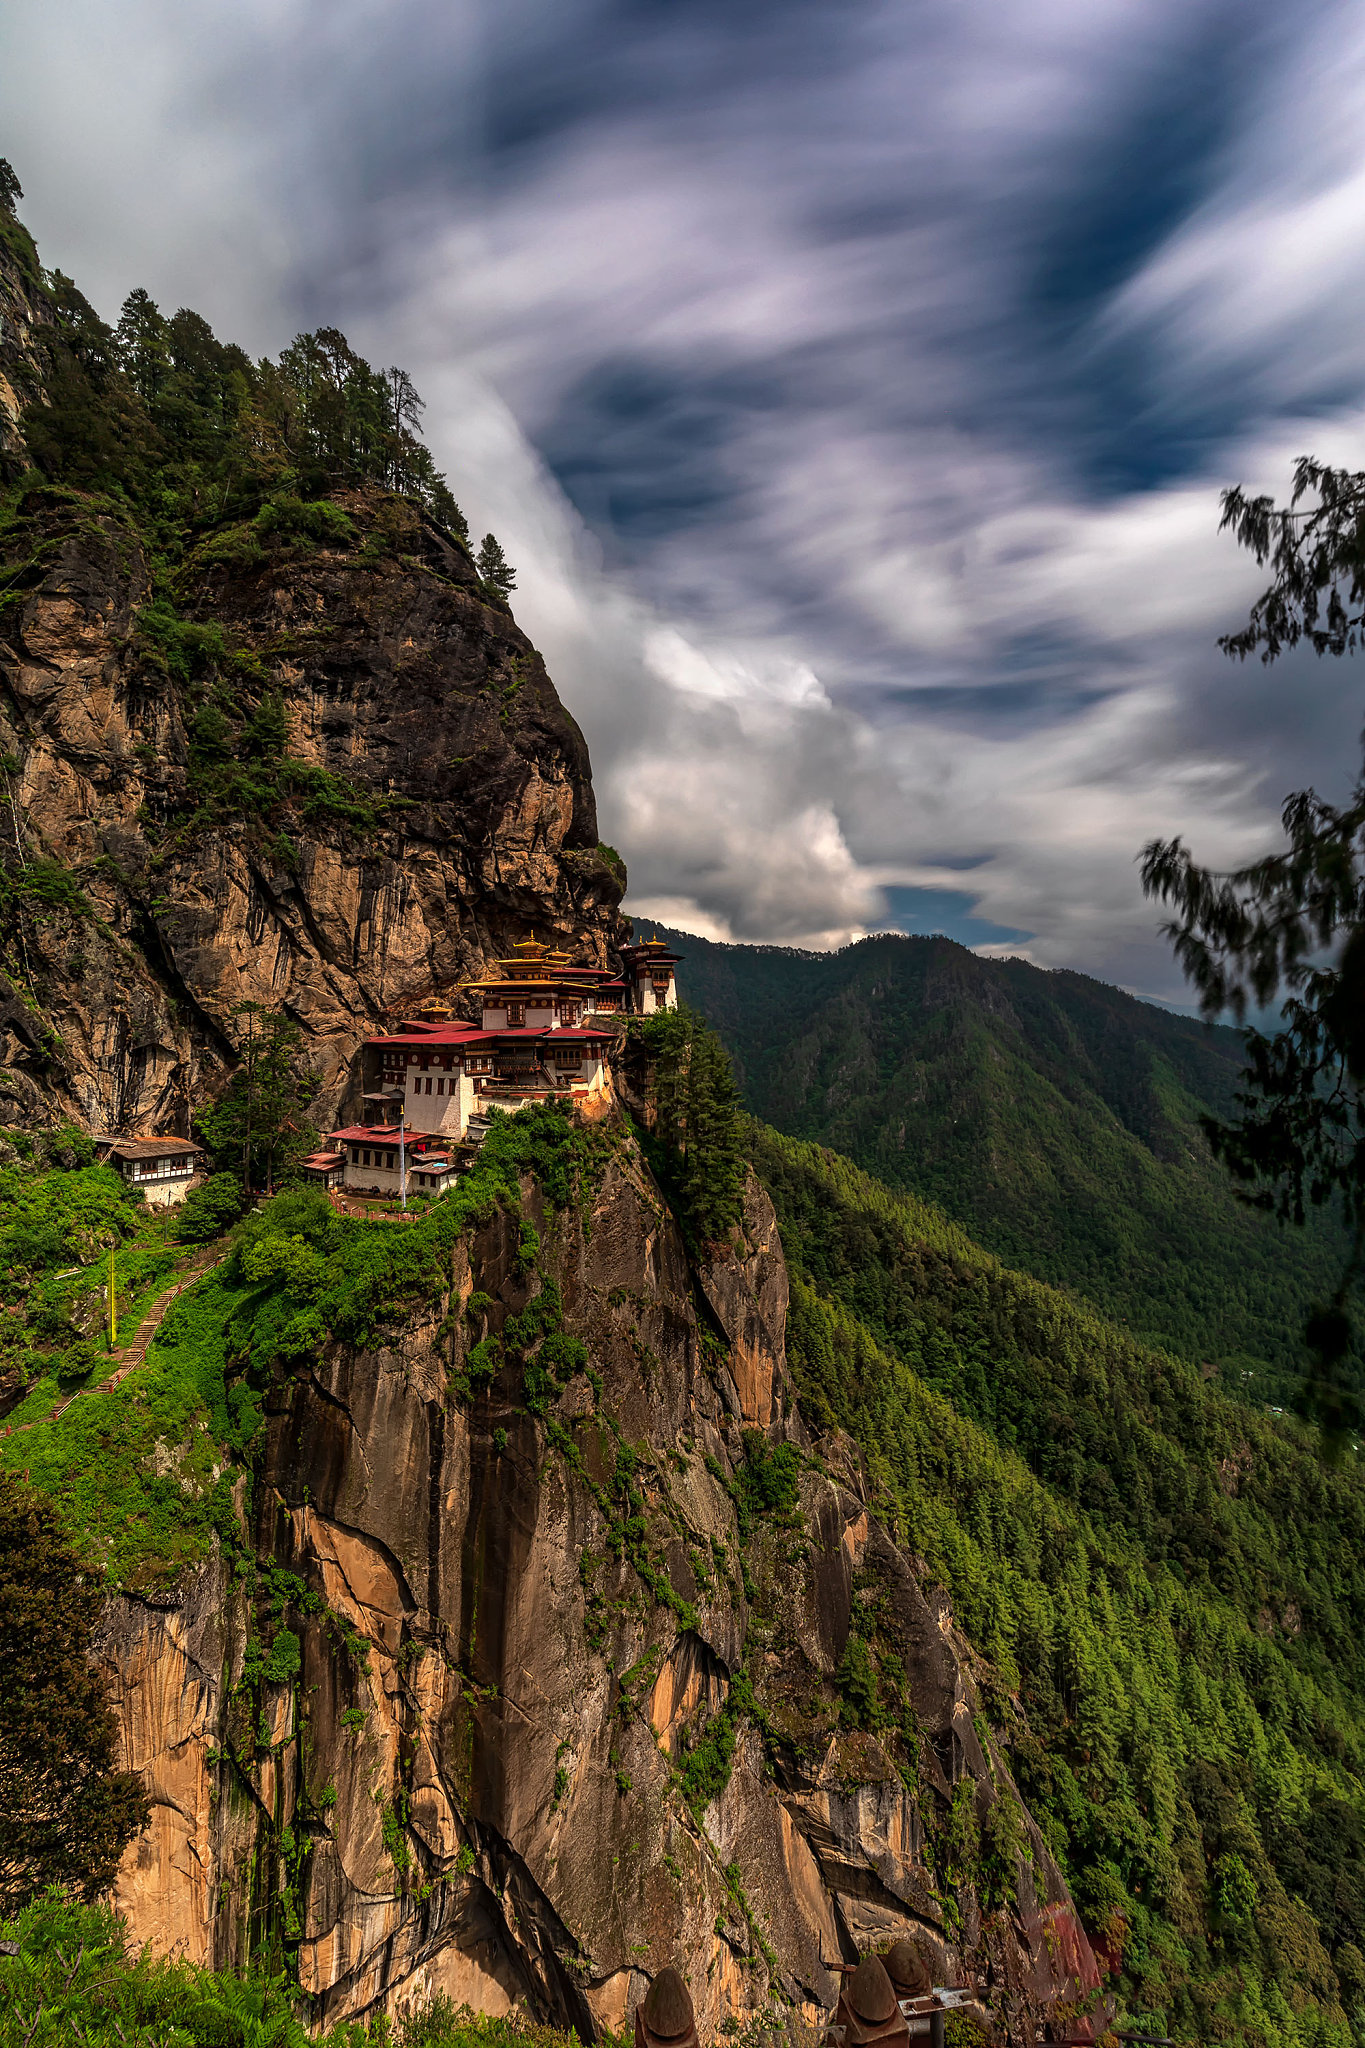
(11, 191)
(257, 1127)
(66, 1815)
(696, 1139)
(494, 567)
(1293, 925)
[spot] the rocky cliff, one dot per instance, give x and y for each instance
(577, 1682)
(301, 757)
(396, 678)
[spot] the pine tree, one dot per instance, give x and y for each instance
(494, 567)
(66, 1815)
(257, 1127)
(143, 351)
(11, 191)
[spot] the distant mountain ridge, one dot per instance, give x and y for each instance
(1055, 1117)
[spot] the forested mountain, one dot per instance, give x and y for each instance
(1169, 1592)
(609, 1563)
(1055, 1117)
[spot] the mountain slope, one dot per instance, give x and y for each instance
(1056, 1118)
(1170, 1591)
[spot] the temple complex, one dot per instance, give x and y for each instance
(545, 1025)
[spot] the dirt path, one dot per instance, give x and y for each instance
(132, 1355)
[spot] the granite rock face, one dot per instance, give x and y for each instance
(392, 672)
(25, 318)
(491, 1776)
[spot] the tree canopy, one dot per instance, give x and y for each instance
(257, 1127)
(160, 410)
(66, 1814)
(1292, 925)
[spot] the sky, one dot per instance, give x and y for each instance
(852, 386)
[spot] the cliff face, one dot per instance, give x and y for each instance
(572, 1701)
(381, 664)
(25, 317)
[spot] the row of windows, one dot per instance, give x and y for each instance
(161, 1169)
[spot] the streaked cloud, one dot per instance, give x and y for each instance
(852, 386)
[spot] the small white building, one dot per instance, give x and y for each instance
(651, 977)
(163, 1168)
(381, 1159)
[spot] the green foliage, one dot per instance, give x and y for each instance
(1056, 1119)
(292, 518)
(194, 431)
(284, 1662)
(44, 886)
(856, 1680)
(497, 572)
(1167, 1583)
(1293, 924)
(309, 1273)
(708, 1763)
(210, 1209)
(694, 1142)
(79, 1979)
(66, 1815)
(256, 1127)
(56, 1219)
(137, 1471)
(613, 860)
(766, 1481)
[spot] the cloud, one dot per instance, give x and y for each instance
(852, 388)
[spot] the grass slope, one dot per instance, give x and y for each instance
(1056, 1118)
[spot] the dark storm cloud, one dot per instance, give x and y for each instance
(852, 383)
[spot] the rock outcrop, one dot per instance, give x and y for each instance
(571, 1701)
(460, 816)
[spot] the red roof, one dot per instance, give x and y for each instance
(323, 1159)
(417, 1034)
(473, 1036)
(381, 1134)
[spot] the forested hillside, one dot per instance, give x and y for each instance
(1169, 1593)
(1056, 1118)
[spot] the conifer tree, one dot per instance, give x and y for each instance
(11, 191)
(66, 1815)
(140, 338)
(257, 1127)
(494, 566)
(1293, 925)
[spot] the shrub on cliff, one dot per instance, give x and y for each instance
(66, 1815)
(76, 1978)
(695, 1142)
(210, 1209)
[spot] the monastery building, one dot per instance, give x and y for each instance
(545, 1027)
